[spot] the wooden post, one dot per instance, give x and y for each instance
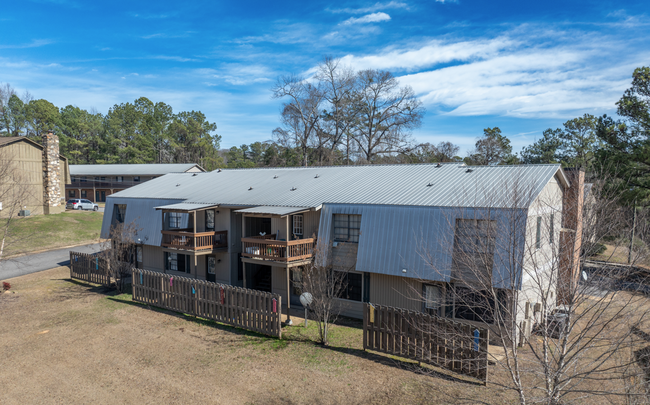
(288, 295)
(243, 265)
(196, 267)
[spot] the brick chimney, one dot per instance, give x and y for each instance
(571, 236)
(51, 174)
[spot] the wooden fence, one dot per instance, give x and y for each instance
(429, 339)
(88, 267)
(254, 310)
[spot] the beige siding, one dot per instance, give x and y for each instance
(153, 258)
(222, 270)
(311, 220)
(194, 169)
(280, 224)
(399, 292)
(28, 164)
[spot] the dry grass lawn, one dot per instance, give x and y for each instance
(69, 342)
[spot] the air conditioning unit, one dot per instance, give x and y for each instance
(24, 213)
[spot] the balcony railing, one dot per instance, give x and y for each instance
(266, 248)
(187, 240)
(104, 184)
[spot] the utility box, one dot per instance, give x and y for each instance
(23, 213)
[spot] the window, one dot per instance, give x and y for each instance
(102, 178)
(432, 299)
(136, 178)
(177, 262)
(347, 228)
(83, 194)
(83, 179)
(139, 254)
(97, 178)
(209, 220)
(473, 254)
(538, 238)
(212, 264)
(297, 225)
(472, 305)
(119, 179)
(175, 220)
(71, 194)
(352, 286)
(119, 212)
(551, 234)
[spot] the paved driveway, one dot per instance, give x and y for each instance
(33, 263)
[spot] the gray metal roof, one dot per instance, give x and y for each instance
(132, 169)
(185, 206)
(411, 185)
(273, 210)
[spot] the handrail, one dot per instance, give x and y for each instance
(278, 250)
(194, 240)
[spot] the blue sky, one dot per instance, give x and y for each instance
(522, 66)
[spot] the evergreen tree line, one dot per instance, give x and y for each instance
(138, 132)
(336, 117)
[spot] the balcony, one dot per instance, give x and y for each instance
(187, 240)
(267, 248)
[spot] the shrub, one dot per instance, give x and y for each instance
(5, 286)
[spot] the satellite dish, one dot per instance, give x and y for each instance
(584, 275)
(306, 299)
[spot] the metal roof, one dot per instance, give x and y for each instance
(410, 185)
(273, 210)
(185, 207)
(132, 169)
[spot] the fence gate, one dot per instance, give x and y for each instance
(90, 268)
(254, 310)
(429, 339)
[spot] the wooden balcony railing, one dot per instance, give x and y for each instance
(281, 251)
(186, 240)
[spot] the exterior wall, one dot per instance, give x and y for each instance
(344, 256)
(399, 292)
(540, 265)
(279, 284)
(194, 170)
(52, 181)
(27, 160)
(153, 258)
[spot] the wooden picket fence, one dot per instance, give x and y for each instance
(253, 310)
(455, 346)
(90, 268)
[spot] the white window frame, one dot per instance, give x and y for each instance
(298, 224)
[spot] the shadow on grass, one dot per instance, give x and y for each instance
(94, 288)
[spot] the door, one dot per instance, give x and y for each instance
(260, 277)
(100, 196)
(211, 264)
(295, 278)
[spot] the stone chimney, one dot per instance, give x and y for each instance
(51, 174)
(571, 236)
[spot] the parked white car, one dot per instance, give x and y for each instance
(81, 204)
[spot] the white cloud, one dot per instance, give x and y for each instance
(238, 74)
(371, 9)
(369, 18)
(34, 44)
(532, 75)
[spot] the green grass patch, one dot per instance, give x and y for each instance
(51, 231)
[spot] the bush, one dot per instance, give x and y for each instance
(5, 286)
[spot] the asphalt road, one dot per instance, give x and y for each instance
(36, 262)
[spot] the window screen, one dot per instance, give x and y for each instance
(433, 299)
(119, 212)
(212, 264)
(347, 227)
(473, 254)
(175, 219)
(538, 238)
(209, 220)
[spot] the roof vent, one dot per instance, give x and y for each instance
(293, 189)
(469, 170)
(178, 184)
(195, 174)
(438, 165)
(275, 177)
(250, 188)
(430, 184)
(317, 176)
(219, 171)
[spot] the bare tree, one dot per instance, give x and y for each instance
(387, 114)
(515, 268)
(326, 284)
(300, 115)
(119, 252)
